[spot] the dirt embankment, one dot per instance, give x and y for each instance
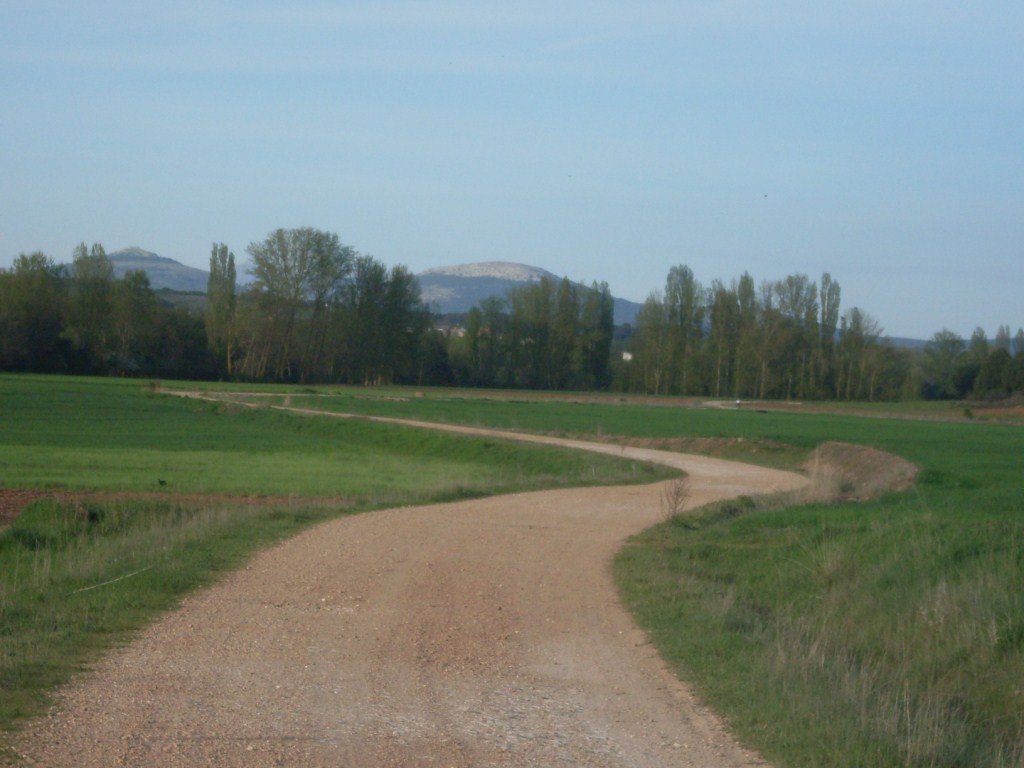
(846, 472)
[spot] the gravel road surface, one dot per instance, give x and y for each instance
(480, 633)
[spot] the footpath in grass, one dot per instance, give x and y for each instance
(79, 575)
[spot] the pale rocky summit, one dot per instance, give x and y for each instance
(457, 288)
(500, 270)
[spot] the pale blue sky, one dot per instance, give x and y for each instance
(881, 142)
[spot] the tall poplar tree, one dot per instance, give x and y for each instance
(90, 307)
(684, 310)
(829, 294)
(221, 303)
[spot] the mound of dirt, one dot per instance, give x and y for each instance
(857, 472)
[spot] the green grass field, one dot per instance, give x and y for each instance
(886, 633)
(121, 435)
(77, 575)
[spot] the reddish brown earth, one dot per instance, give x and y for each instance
(481, 633)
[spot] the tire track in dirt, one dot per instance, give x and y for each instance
(479, 633)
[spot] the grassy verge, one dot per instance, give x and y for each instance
(889, 633)
(77, 576)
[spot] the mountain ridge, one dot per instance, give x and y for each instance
(456, 288)
(501, 270)
(450, 289)
(163, 271)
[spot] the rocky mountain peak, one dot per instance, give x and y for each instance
(498, 270)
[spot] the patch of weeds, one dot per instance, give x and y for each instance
(674, 497)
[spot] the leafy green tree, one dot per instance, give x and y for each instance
(364, 338)
(134, 321)
(488, 336)
(746, 374)
(545, 334)
(684, 311)
(90, 306)
(994, 376)
(561, 366)
(1015, 373)
(890, 373)
(652, 347)
(1003, 338)
(724, 331)
(798, 305)
(782, 339)
(857, 355)
(31, 309)
(597, 323)
(181, 347)
(380, 325)
(942, 357)
(829, 296)
(773, 330)
(10, 331)
(407, 323)
(221, 306)
(435, 368)
(532, 307)
(977, 349)
(292, 268)
(332, 268)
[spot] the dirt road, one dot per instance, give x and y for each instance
(481, 633)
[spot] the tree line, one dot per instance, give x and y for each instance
(788, 338)
(80, 319)
(317, 311)
(546, 334)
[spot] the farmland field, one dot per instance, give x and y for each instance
(152, 496)
(885, 632)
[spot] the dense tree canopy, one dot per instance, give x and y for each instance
(545, 335)
(221, 306)
(318, 311)
(789, 339)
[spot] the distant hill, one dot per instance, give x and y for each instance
(162, 271)
(456, 289)
(901, 342)
(447, 290)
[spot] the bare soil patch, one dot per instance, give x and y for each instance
(723, 447)
(12, 501)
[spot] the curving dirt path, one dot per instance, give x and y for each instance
(480, 633)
